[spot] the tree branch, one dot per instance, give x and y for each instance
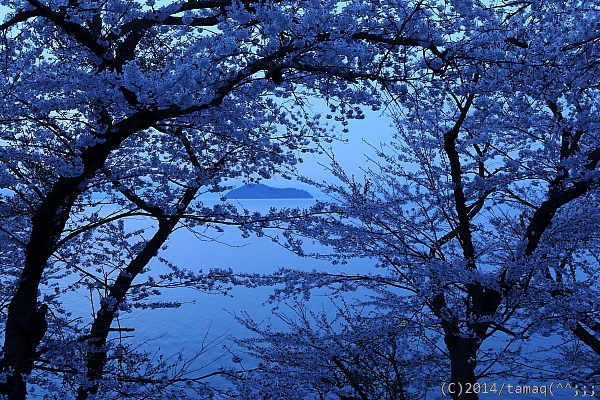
(19, 17)
(464, 228)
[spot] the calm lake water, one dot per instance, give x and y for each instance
(207, 320)
(211, 316)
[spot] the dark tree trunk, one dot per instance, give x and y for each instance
(463, 360)
(482, 303)
(97, 356)
(26, 323)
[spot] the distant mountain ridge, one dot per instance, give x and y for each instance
(260, 191)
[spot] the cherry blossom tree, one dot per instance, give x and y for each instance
(483, 208)
(482, 213)
(348, 354)
(143, 106)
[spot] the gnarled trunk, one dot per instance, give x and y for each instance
(463, 360)
(26, 323)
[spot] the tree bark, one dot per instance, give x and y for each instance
(463, 343)
(26, 323)
(463, 360)
(97, 356)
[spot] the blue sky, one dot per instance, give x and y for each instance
(351, 153)
(371, 131)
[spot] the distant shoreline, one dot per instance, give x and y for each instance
(260, 191)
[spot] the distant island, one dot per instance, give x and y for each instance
(260, 191)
